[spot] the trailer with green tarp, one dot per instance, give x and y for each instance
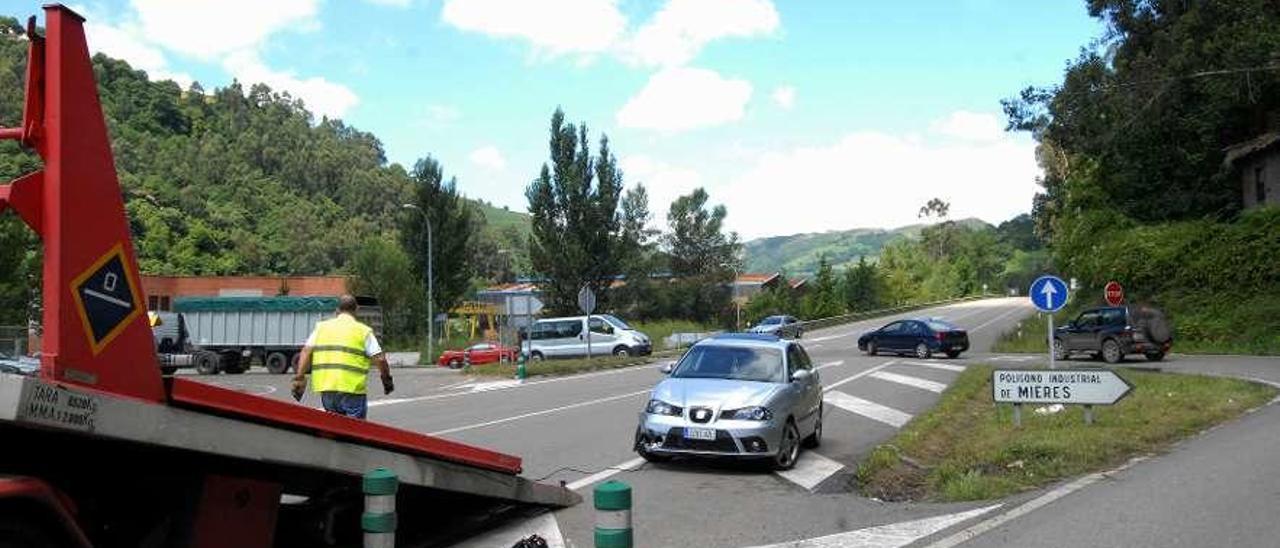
(269, 331)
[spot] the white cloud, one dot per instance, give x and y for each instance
(664, 182)
(969, 126)
(785, 97)
(488, 157)
(126, 43)
(679, 99)
(208, 29)
(554, 27)
(876, 179)
(320, 95)
(678, 31)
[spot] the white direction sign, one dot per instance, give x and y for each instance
(1065, 386)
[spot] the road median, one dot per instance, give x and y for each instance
(558, 368)
(967, 448)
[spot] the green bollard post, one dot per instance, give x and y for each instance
(379, 518)
(613, 515)
(520, 371)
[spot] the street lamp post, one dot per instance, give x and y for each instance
(431, 319)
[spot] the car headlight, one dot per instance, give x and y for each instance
(750, 414)
(659, 407)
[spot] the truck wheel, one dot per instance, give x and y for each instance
(294, 357)
(206, 363)
(277, 363)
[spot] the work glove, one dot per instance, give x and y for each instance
(387, 386)
(299, 388)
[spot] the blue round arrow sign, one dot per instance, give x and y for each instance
(1049, 293)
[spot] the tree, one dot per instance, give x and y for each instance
(1142, 116)
(381, 269)
(453, 226)
(696, 242)
(576, 229)
(823, 299)
(861, 287)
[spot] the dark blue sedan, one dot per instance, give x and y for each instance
(920, 337)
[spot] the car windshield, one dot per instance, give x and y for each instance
(771, 320)
(618, 323)
(939, 325)
(731, 363)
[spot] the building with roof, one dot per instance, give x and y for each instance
(1257, 164)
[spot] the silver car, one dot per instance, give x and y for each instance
(735, 395)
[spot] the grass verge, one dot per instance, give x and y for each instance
(556, 368)
(966, 448)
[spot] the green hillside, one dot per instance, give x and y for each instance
(500, 218)
(799, 253)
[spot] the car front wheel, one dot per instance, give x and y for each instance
(871, 348)
(788, 448)
(1111, 351)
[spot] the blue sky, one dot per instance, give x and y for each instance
(799, 115)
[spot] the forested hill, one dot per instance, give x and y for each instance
(800, 253)
(228, 181)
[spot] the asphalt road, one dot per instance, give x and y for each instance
(579, 430)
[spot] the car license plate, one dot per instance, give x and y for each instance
(700, 434)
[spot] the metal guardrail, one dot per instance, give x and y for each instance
(856, 316)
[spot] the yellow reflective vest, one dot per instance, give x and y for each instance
(338, 361)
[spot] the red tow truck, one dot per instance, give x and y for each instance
(100, 449)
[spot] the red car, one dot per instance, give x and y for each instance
(476, 354)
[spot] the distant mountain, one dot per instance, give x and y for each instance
(799, 253)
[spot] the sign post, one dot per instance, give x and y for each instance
(587, 303)
(1087, 387)
(1049, 294)
(1114, 293)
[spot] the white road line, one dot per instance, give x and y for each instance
(1031, 506)
(833, 385)
(811, 469)
(605, 474)
(544, 525)
(914, 382)
(936, 365)
(869, 409)
(836, 363)
(998, 318)
(894, 535)
(539, 413)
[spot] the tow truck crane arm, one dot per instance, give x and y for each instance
(198, 465)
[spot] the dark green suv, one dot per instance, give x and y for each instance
(1114, 332)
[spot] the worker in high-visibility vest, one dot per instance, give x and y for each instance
(338, 354)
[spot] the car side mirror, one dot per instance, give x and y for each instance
(800, 375)
(667, 368)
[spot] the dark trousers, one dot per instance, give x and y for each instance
(342, 403)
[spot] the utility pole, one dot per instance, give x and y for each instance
(431, 318)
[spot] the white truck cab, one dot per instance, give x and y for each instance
(567, 337)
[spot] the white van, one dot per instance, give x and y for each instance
(567, 337)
